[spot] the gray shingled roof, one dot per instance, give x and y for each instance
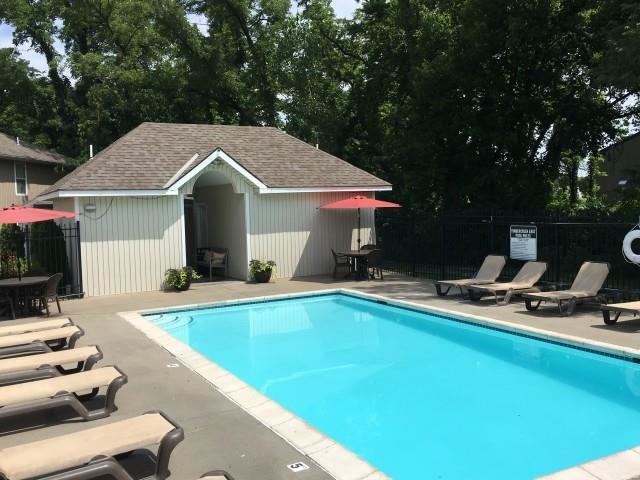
(151, 154)
(10, 150)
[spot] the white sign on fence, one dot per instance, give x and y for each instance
(524, 242)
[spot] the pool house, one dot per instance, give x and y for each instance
(162, 193)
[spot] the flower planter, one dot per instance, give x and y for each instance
(262, 277)
(185, 287)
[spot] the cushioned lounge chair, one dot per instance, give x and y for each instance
(524, 281)
(94, 452)
(51, 364)
(40, 341)
(61, 391)
(488, 272)
(585, 287)
(618, 308)
(26, 327)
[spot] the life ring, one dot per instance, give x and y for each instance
(626, 246)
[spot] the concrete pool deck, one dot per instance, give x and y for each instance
(218, 433)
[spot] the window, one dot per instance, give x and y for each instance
(21, 177)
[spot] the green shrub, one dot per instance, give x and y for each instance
(179, 278)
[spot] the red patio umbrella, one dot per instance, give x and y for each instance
(22, 214)
(358, 202)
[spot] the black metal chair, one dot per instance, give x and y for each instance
(340, 261)
(213, 258)
(50, 292)
(374, 263)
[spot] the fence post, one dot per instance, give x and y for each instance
(443, 251)
(556, 253)
(491, 235)
(79, 259)
(413, 246)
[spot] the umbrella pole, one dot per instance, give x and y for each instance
(358, 229)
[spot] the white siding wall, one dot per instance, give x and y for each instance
(291, 230)
(128, 243)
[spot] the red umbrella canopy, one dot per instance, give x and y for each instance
(360, 201)
(21, 214)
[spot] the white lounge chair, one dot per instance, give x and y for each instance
(585, 287)
(93, 452)
(40, 341)
(524, 281)
(618, 308)
(50, 364)
(66, 390)
(26, 327)
(488, 272)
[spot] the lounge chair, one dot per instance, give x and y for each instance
(524, 281)
(40, 341)
(585, 286)
(62, 391)
(94, 452)
(44, 365)
(618, 308)
(489, 271)
(26, 327)
(216, 475)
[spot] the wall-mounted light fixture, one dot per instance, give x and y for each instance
(89, 207)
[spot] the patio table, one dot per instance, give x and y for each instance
(15, 286)
(357, 256)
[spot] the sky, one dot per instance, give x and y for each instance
(343, 9)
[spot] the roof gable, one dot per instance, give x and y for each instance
(150, 156)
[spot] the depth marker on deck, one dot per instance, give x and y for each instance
(298, 467)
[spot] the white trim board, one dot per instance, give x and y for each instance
(106, 193)
(215, 155)
(326, 189)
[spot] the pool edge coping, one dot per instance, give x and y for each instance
(330, 455)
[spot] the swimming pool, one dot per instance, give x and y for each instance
(423, 396)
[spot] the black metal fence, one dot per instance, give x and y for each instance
(43, 248)
(454, 247)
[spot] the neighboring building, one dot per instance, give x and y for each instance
(622, 166)
(25, 170)
(149, 200)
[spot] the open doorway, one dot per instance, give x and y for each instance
(215, 222)
(196, 228)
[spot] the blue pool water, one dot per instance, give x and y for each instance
(421, 396)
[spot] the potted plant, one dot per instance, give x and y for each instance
(261, 271)
(179, 278)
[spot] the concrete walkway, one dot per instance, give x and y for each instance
(219, 435)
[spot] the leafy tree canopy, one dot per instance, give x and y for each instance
(465, 105)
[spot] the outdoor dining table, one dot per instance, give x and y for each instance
(14, 286)
(357, 256)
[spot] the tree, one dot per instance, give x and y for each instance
(319, 65)
(475, 104)
(25, 103)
